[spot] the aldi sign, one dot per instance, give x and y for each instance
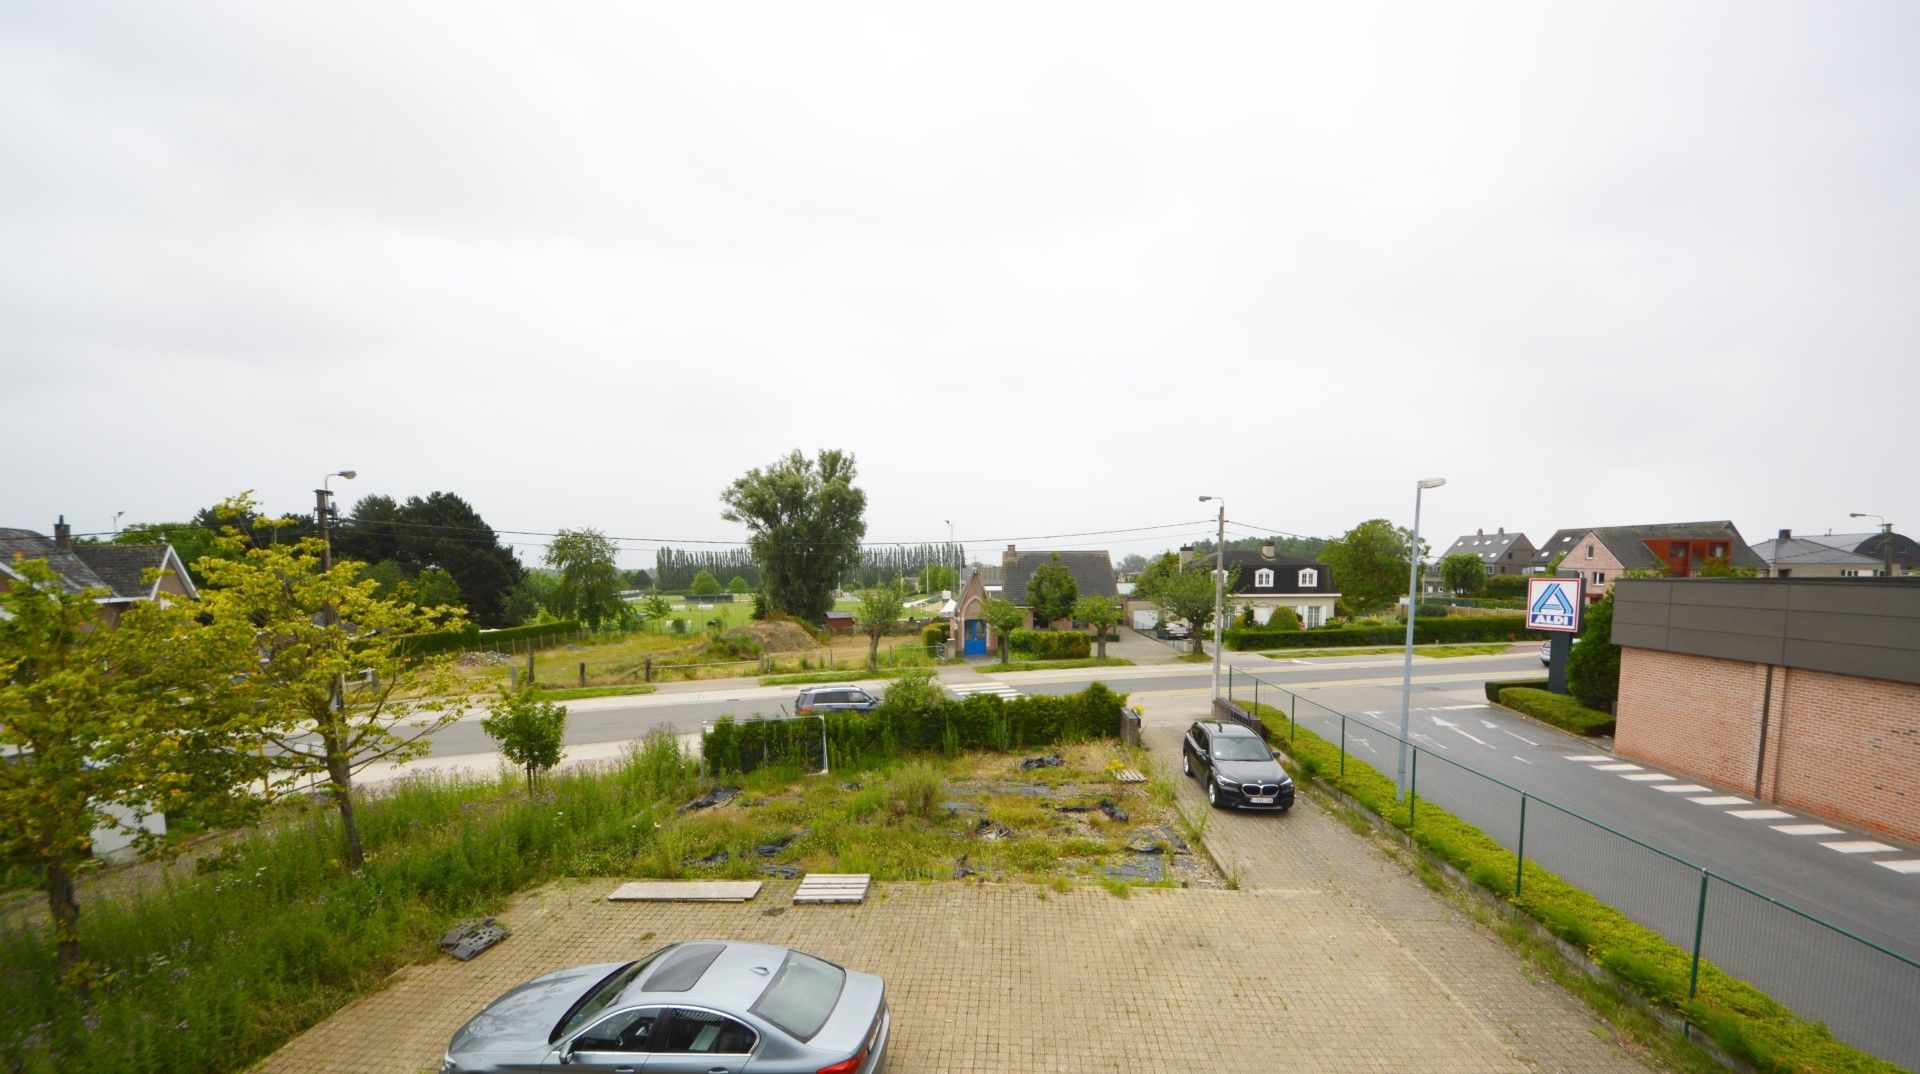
(1554, 604)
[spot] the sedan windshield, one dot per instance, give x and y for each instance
(802, 995)
(601, 996)
(1241, 749)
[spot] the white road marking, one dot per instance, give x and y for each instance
(1907, 865)
(1522, 738)
(1646, 777)
(1521, 759)
(1455, 728)
(1719, 799)
(1681, 788)
(998, 689)
(1807, 829)
(1591, 757)
(1430, 741)
(1616, 768)
(1457, 708)
(1861, 846)
(1759, 814)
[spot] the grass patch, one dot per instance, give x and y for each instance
(1740, 1018)
(1560, 710)
(1193, 658)
(1043, 665)
(1438, 651)
(576, 693)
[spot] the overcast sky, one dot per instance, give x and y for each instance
(1044, 270)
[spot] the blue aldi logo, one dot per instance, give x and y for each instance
(1553, 604)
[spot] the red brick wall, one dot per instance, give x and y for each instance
(1837, 746)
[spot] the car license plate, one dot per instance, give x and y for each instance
(1260, 799)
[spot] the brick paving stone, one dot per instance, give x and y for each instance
(1330, 957)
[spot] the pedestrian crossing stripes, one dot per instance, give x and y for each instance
(1707, 796)
(997, 689)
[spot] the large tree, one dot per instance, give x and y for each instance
(440, 531)
(100, 723)
(706, 585)
(1051, 592)
(804, 520)
(312, 630)
(588, 587)
(1100, 613)
(1463, 574)
(879, 612)
(1370, 563)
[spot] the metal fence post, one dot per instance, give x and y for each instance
(1293, 727)
(1256, 699)
(1343, 746)
(1413, 789)
(1520, 865)
(583, 672)
(1699, 927)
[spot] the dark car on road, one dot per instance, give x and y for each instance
(1238, 768)
(703, 1007)
(834, 699)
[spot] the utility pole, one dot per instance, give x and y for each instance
(323, 511)
(1886, 539)
(1219, 591)
(1413, 602)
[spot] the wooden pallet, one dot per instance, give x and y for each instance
(1128, 775)
(686, 891)
(833, 887)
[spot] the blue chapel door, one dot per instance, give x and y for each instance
(976, 638)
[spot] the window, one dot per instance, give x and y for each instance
(1589, 551)
(1786, 572)
(684, 968)
(1309, 579)
(624, 1032)
(1313, 615)
(802, 994)
(1716, 551)
(1599, 577)
(1263, 578)
(694, 1030)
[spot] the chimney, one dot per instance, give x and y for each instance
(1186, 555)
(1266, 550)
(1502, 531)
(1009, 558)
(1479, 533)
(63, 534)
(1786, 535)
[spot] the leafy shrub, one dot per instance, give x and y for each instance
(1494, 686)
(1557, 709)
(1479, 628)
(1284, 618)
(1593, 668)
(1509, 586)
(917, 788)
(737, 645)
(1050, 644)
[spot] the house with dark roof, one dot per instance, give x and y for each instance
(1838, 555)
(1265, 580)
(1601, 555)
(1092, 572)
(128, 572)
(1500, 552)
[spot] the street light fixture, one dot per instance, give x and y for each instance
(1886, 538)
(116, 522)
(322, 502)
(1219, 590)
(1413, 600)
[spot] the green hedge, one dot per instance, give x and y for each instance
(1742, 1020)
(981, 721)
(1479, 628)
(1494, 686)
(1050, 644)
(1557, 709)
(472, 637)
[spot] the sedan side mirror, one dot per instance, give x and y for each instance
(1276, 754)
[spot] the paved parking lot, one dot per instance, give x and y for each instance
(1329, 958)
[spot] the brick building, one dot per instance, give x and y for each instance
(1801, 692)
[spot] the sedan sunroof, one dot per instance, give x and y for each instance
(683, 968)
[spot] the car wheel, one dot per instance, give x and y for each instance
(1213, 794)
(1186, 766)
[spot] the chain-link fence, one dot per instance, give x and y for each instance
(1867, 995)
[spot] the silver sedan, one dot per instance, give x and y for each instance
(700, 1007)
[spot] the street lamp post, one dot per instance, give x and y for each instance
(116, 522)
(1413, 600)
(323, 513)
(1219, 590)
(1886, 538)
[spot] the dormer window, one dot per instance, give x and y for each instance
(1263, 578)
(1309, 578)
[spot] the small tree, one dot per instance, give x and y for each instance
(1593, 668)
(529, 731)
(705, 584)
(1051, 592)
(657, 608)
(935, 577)
(738, 586)
(1005, 618)
(589, 583)
(1100, 613)
(879, 610)
(1463, 574)
(1188, 595)
(1284, 618)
